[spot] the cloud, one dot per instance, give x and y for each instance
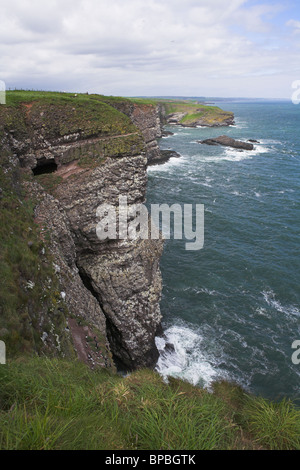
(137, 47)
(294, 24)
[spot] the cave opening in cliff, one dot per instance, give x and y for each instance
(44, 166)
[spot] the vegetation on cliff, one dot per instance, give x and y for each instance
(58, 402)
(30, 299)
(31, 305)
(191, 113)
(55, 404)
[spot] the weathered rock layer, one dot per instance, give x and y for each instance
(228, 142)
(71, 167)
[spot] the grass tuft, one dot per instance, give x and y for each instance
(58, 404)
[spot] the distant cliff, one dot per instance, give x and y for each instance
(188, 113)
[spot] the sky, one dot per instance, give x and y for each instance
(213, 48)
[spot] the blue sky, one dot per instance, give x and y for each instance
(171, 47)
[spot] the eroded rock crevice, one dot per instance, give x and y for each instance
(123, 359)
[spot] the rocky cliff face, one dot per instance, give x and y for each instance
(149, 119)
(75, 156)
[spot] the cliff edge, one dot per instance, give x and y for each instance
(67, 154)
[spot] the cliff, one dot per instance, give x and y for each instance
(189, 113)
(64, 291)
(148, 116)
(67, 154)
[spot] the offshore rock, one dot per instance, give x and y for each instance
(165, 156)
(228, 142)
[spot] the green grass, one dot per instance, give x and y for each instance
(275, 425)
(30, 300)
(195, 111)
(58, 404)
(58, 114)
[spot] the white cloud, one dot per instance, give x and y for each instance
(136, 47)
(294, 24)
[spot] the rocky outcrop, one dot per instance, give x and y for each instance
(175, 118)
(148, 118)
(86, 319)
(75, 158)
(222, 120)
(165, 156)
(123, 276)
(228, 142)
(202, 117)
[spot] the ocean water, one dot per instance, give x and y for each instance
(232, 309)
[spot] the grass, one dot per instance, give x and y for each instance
(58, 114)
(195, 112)
(61, 404)
(275, 425)
(58, 404)
(30, 300)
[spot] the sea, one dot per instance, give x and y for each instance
(231, 310)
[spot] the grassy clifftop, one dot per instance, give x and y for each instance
(191, 113)
(195, 114)
(56, 404)
(63, 113)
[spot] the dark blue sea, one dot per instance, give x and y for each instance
(232, 309)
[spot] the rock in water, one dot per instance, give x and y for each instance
(228, 142)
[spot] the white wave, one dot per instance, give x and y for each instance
(237, 155)
(186, 361)
(231, 155)
(198, 181)
(173, 162)
(269, 297)
(201, 290)
(204, 290)
(270, 142)
(239, 124)
(260, 149)
(262, 312)
(237, 193)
